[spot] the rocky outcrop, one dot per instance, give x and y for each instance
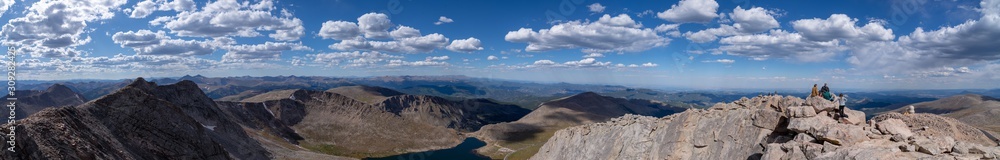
(976, 110)
(756, 128)
(531, 131)
(32, 101)
(139, 121)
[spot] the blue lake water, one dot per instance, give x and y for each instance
(463, 151)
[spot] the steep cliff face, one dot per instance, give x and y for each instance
(769, 127)
(139, 121)
(32, 101)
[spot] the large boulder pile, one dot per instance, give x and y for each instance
(771, 127)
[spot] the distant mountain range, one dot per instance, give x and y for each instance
(32, 101)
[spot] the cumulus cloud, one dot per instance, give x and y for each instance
(53, 28)
(748, 21)
(649, 64)
(145, 42)
(711, 34)
(438, 58)
(398, 63)
(147, 7)
(230, 18)
(259, 52)
(443, 20)
(608, 34)
(840, 26)
(780, 44)
(492, 58)
(593, 55)
(339, 30)
(5, 5)
(354, 59)
(596, 8)
(670, 29)
(465, 45)
(753, 20)
(404, 39)
(404, 32)
(688, 11)
(921, 52)
(420, 44)
(723, 61)
(375, 25)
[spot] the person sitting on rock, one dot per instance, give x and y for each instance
(814, 92)
(825, 88)
(826, 93)
(843, 103)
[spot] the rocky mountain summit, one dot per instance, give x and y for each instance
(527, 134)
(140, 121)
(976, 110)
(771, 127)
(32, 101)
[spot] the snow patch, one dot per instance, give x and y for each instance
(209, 127)
(268, 110)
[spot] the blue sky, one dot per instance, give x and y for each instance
(861, 44)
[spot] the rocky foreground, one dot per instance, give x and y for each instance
(772, 127)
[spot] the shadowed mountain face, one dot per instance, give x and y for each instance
(140, 121)
(32, 101)
(529, 132)
(371, 121)
(976, 110)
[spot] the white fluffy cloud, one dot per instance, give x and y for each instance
(420, 44)
(146, 42)
(5, 5)
(354, 59)
(593, 55)
(53, 28)
(230, 18)
(711, 34)
(840, 26)
(465, 45)
(723, 61)
(970, 43)
(340, 30)
(398, 63)
(259, 52)
(753, 20)
(687, 11)
(780, 44)
(583, 63)
(748, 21)
(438, 58)
(608, 34)
(443, 20)
(492, 58)
(596, 8)
(375, 25)
(147, 7)
(404, 32)
(404, 39)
